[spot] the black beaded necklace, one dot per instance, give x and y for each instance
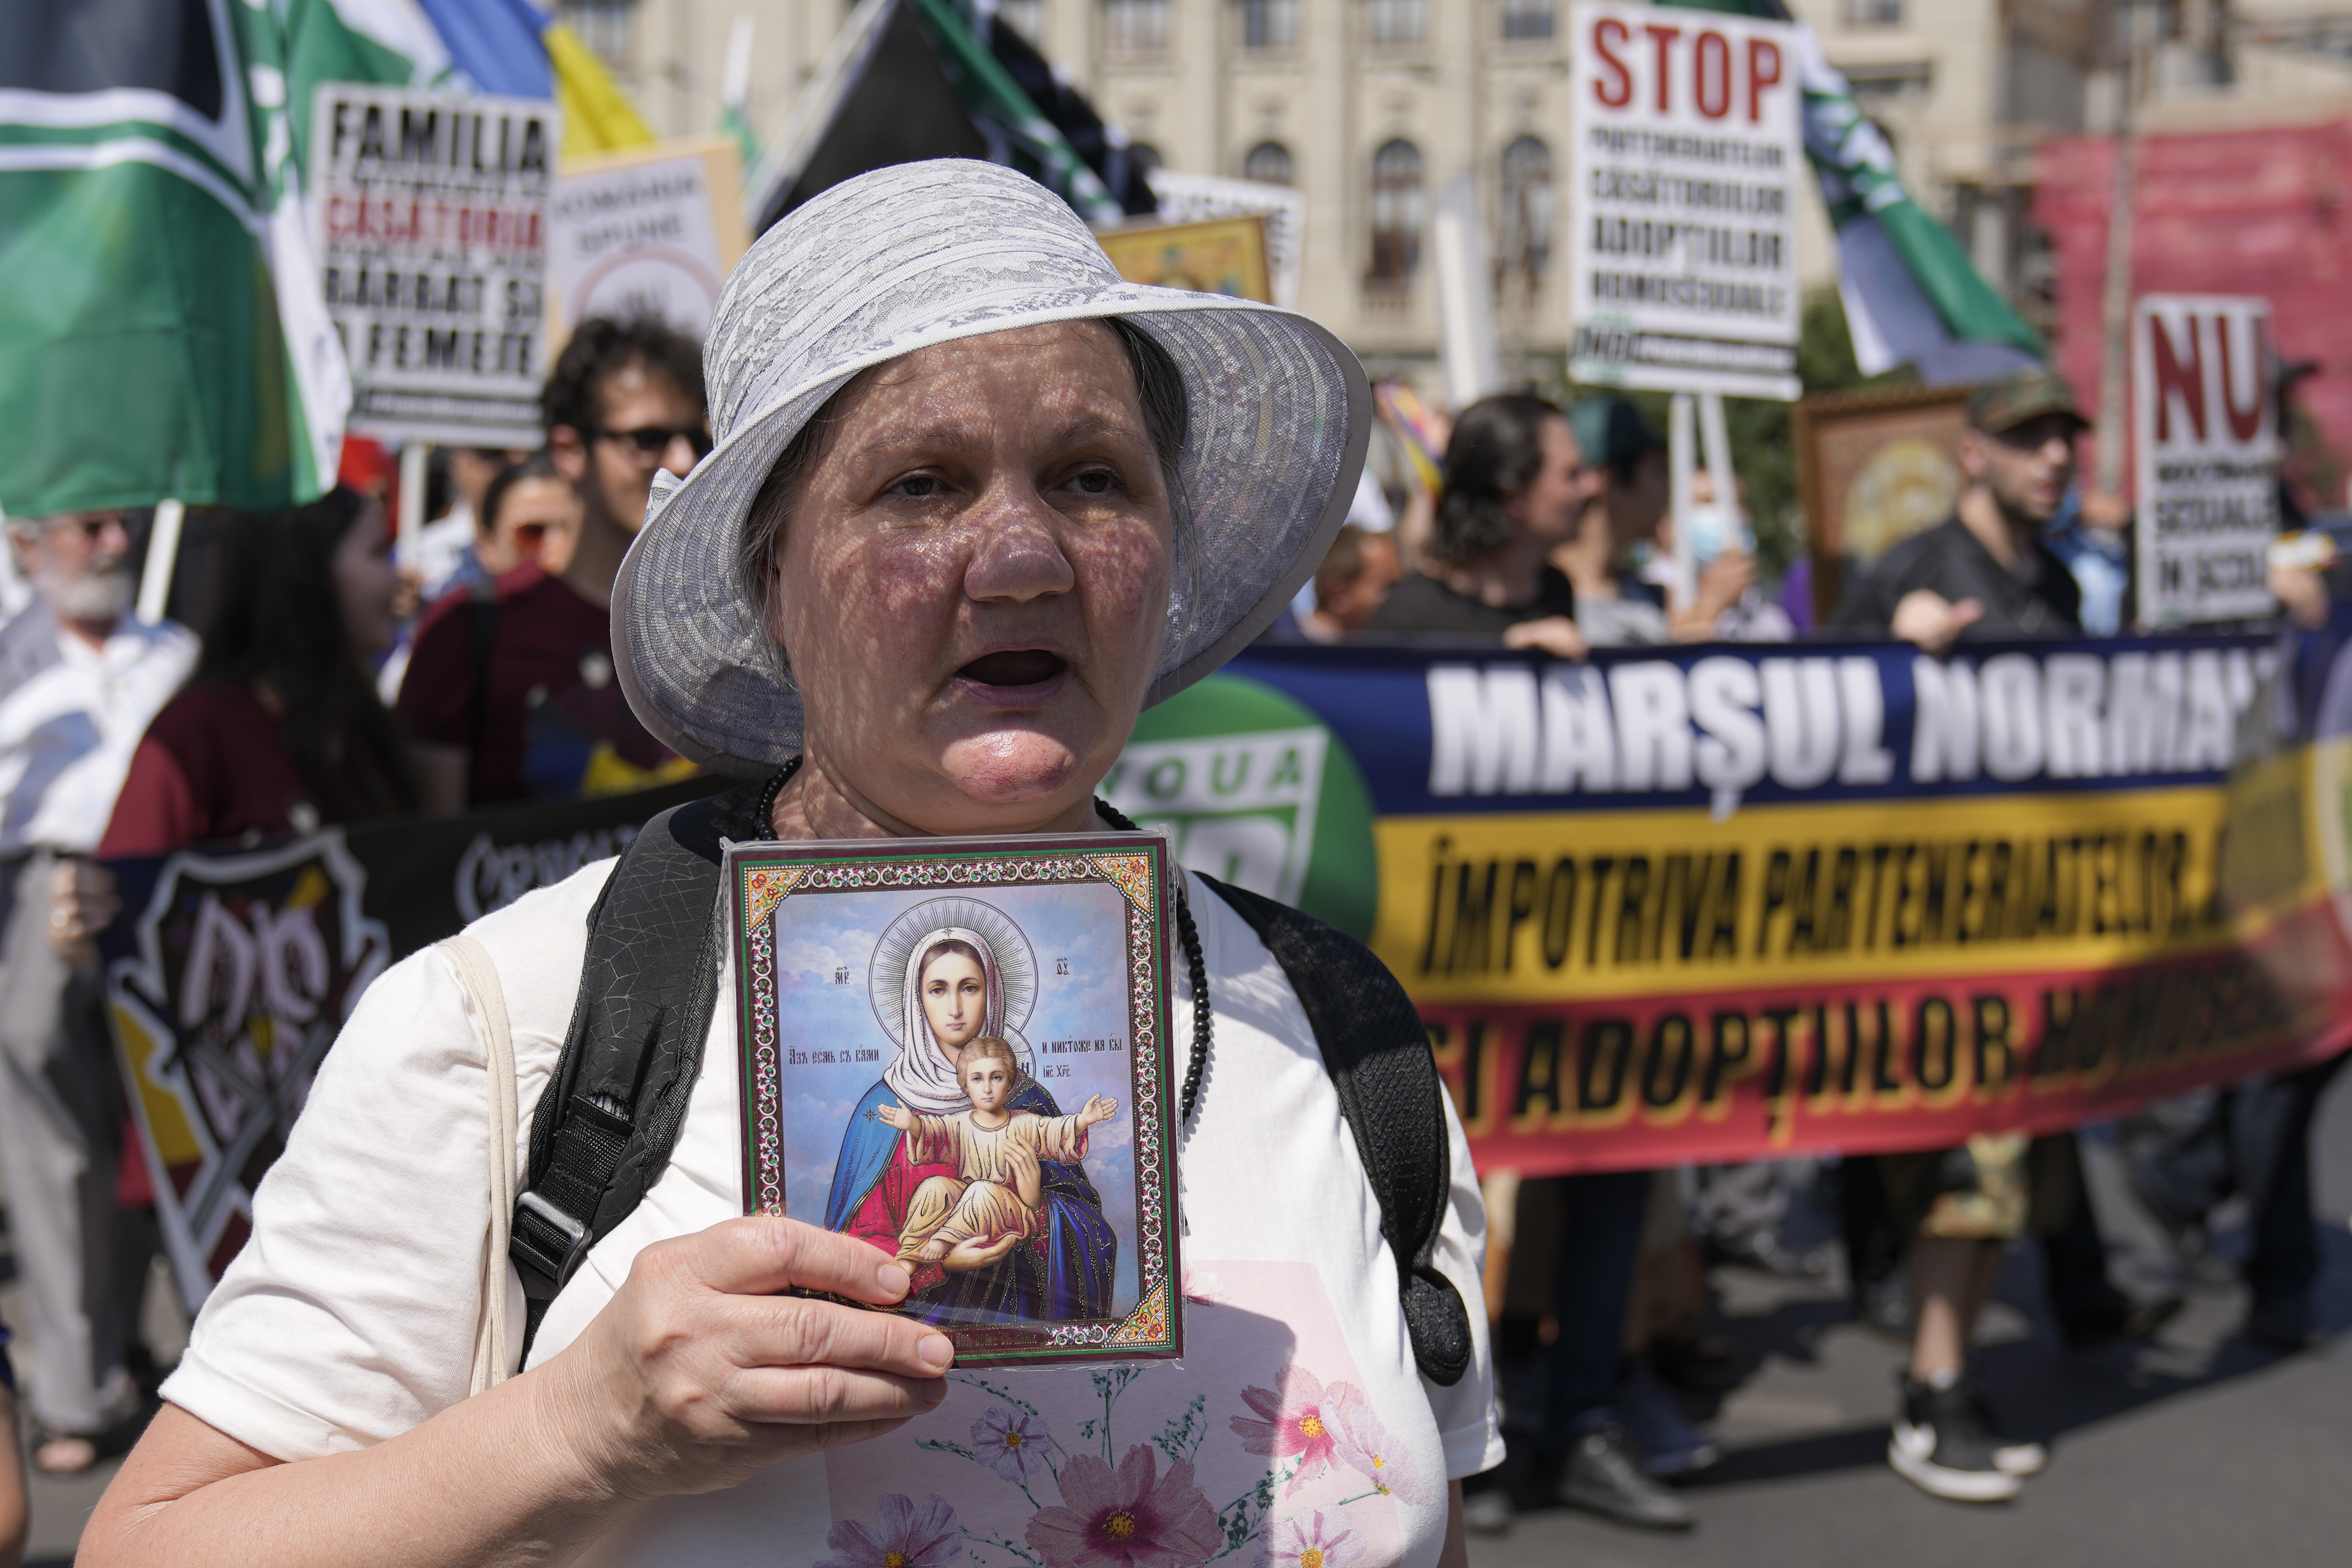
(1187, 933)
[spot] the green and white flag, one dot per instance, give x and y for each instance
(161, 328)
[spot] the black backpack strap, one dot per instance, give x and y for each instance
(610, 1116)
(1376, 1051)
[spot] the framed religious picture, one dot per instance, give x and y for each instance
(1874, 467)
(958, 1051)
(1213, 256)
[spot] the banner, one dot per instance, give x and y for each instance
(649, 232)
(430, 215)
(1728, 902)
(1686, 163)
(2205, 449)
(229, 975)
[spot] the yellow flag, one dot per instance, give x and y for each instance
(597, 115)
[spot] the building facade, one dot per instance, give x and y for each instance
(1369, 108)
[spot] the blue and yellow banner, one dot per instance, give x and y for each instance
(1726, 901)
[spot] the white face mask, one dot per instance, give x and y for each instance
(1716, 529)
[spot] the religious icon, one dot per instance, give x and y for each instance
(1005, 1133)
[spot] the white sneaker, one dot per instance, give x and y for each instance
(1941, 1444)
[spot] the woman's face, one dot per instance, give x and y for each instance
(367, 584)
(539, 520)
(973, 585)
(1552, 505)
(955, 1000)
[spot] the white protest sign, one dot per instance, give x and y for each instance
(2205, 435)
(1682, 247)
(650, 232)
(430, 217)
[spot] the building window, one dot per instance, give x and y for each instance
(1523, 239)
(1137, 26)
(1269, 24)
(1399, 21)
(1873, 12)
(1396, 214)
(1268, 164)
(1027, 17)
(604, 25)
(1527, 18)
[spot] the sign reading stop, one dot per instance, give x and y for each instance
(1683, 248)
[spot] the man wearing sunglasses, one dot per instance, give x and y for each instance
(510, 694)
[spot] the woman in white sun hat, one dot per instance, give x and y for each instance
(975, 501)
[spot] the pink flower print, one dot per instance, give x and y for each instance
(1296, 1422)
(1130, 1518)
(910, 1535)
(1310, 1546)
(1012, 1442)
(1364, 1446)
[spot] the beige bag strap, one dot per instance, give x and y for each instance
(493, 1341)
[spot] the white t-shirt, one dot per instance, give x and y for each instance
(67, 731)
(350, 1317)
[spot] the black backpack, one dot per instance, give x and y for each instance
(610, 1116)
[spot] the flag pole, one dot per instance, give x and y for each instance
(163, 553)
(2114, 305)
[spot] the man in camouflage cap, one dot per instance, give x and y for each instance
(1985, 572)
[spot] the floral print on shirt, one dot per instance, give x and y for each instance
(1261, 1450)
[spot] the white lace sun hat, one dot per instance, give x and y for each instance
(927, 253)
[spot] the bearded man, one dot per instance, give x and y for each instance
(80, 679)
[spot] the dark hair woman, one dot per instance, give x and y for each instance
(281, 729)
(1514, 486)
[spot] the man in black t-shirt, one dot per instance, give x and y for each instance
(1985, 572)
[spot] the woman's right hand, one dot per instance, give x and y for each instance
(697, 1372)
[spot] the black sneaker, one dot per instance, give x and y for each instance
(1944, 1443)
(1604, 1476)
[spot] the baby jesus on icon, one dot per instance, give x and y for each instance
(998, 1188)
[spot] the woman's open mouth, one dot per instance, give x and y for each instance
(1014, 667)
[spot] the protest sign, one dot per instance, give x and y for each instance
(1731, 902)
(652, 231)
(1215, 256)
(229, 975)
(1683, 251)
(2205, 435)
(430, 217)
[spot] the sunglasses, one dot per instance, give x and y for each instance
(652, 441)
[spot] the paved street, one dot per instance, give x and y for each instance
(2197, 1449)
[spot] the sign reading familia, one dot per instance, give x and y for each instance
(1683, 250)
(2205, 431)
(430, 215)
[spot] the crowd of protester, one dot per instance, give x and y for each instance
(320, 681)
(1550, 530)
(320, 685)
